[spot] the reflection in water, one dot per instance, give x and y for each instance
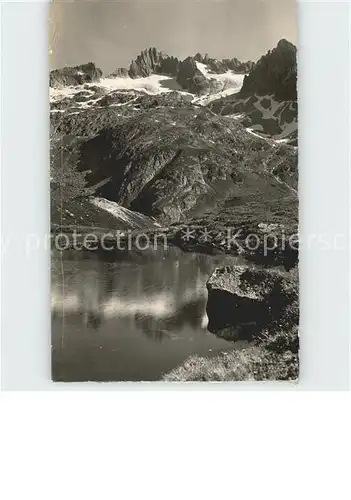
(129, 319)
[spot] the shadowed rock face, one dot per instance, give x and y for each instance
(275, 73)
(242, 301)
(77, 75)
(267, 101)
(191, 78)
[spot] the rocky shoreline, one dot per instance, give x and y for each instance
(260, 306)
(271, 249)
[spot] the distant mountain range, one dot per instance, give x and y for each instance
(267, 100)
(150, 61)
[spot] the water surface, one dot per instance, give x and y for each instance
(129, 316)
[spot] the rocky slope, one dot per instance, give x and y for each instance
(223, 65)
(198, 161)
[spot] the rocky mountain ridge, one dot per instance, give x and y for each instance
(75, 75)
(223, 65)
(267, 101)
(274, 74)
(149, 62)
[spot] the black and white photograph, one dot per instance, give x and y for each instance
(174, 191)
(175, 249)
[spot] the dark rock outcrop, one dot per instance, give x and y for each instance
(275, 73)
(244, 301)
(191, 78)
(150, 61)
(202, 59)
(267, 100)
(76, 75)
(216, 66)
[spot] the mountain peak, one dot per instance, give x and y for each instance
(75, 75)
(275, 73)
(151, 61)
(285, 44)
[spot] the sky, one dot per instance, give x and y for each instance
(113, 32)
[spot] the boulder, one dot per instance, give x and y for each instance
(244, 299)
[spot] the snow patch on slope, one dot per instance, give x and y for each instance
(134, 220)
(58, 93)
(251, 131)
(289, 128)
(269, 112)
(153, 85)
(228, 82)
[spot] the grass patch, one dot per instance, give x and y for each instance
(253, 363)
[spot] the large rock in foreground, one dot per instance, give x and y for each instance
(243, 301)
(241, 295)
